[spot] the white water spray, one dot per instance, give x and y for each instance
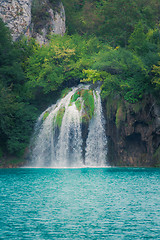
(62, 146)
(96, 147)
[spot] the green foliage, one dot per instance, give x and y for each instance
(137, 40)
(112, 103)
(112, 20)
(121, 71)
(137, 107)
(88, 103)
(156, 79)
(153, 35)
(116, 106)
(59, 117)
(119, 51)
(74, 97)
(88, 98)
(120, 115)
(65, 92)
(21, 129)
(82, 16)
(145, 44)
(17, 117)
(43, 70)
(10, 68)
(5, 40)
(78, 104)
(26, 47)
(46, 114)
(60, 62)
(94, 76)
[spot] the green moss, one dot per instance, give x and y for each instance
(120, 114)
(59, 117)
(116, 107)
(112, 105)
(156, 157)
(88, 98)
(65, 92)
(75, 96)
(46, 114)
(85, 118)
(78, 104)
(137, 107)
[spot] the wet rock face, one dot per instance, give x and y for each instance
(33, 18)
(134, 139)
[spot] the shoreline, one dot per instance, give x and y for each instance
(22, 163)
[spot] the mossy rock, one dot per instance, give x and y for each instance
(46, 114)
(65, 92)
(115, 107)
(75, 96)
(137, 107)
(87, 96)
(59, 117)
(85, 118)
(120, 115)
(111, 106)
(78, 104)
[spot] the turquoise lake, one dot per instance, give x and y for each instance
(87, 203)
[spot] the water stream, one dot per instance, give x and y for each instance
(58, 140)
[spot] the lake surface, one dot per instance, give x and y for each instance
(102, 203)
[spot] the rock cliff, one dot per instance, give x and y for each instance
(134, 132)
(33, 17)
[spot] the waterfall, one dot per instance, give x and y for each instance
(96, 147)
(58, 140)
(69, 145)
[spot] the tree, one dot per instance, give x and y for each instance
(59, 63)
(11, 73)
(121, 72)
(110, 20)
(156, 79)
(17, 117)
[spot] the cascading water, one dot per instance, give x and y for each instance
(69, 145)
(96, 147)
(58, 140)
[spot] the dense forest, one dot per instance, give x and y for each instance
(116, 42)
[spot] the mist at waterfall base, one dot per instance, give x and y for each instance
(59, 133)
(84, 203)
